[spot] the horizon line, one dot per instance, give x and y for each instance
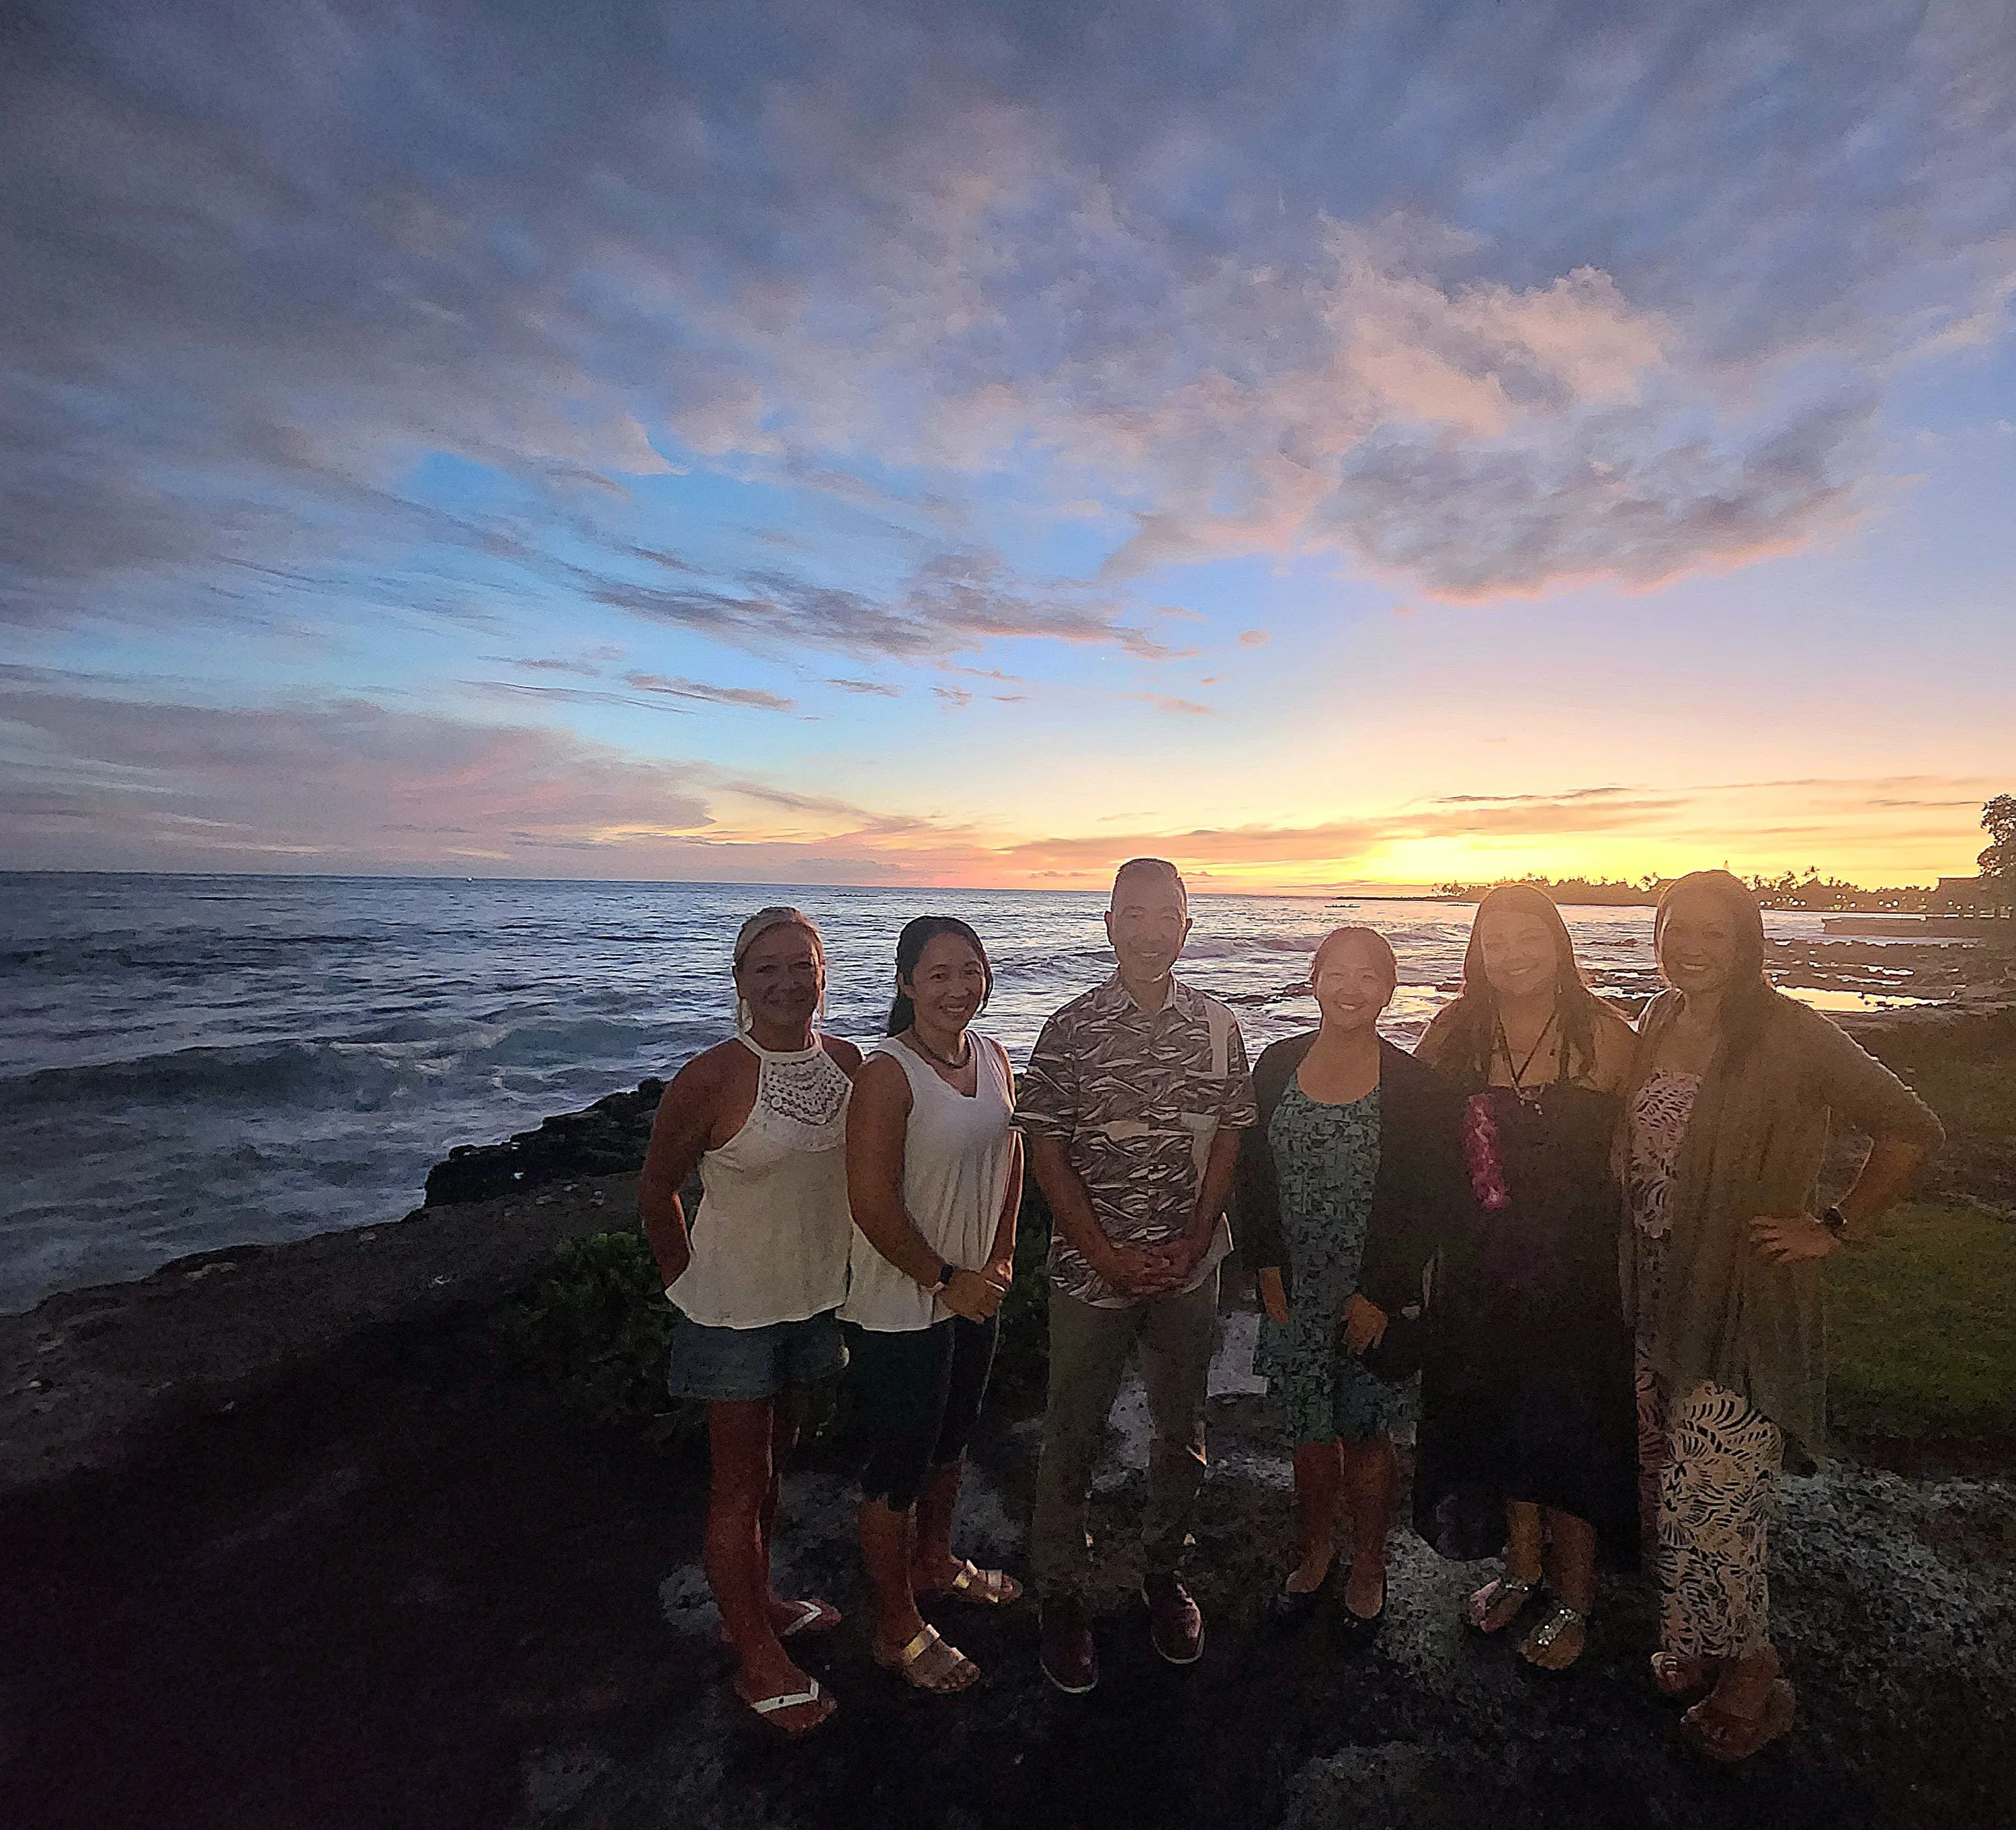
(1362, 890)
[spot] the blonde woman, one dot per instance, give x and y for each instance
(756, 1277)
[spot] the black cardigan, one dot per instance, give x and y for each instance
(1419, 1185)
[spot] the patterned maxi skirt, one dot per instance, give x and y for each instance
(1709, 1472)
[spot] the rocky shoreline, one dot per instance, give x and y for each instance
(291, 1539)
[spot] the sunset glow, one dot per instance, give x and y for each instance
(864, 445)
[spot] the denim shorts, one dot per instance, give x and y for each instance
(728, 1365)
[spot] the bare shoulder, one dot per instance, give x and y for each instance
(1611, 1024)
(879, 1082)
(844, 1054)
(1434, 1038)
(1616, 1042)
(708, 1074)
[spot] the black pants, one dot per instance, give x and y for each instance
(918, 1396)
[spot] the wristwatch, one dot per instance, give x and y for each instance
(946, 1273)
(1835, 1221)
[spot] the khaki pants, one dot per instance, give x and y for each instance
(1089, 1348)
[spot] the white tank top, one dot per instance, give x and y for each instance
(770, 1235)
(956, 1154)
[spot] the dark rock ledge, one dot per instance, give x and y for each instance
(607, 1139)
(92, 1378)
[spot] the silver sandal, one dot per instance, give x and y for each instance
(1499, 1588)
(1559, 1619)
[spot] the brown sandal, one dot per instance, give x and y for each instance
(1726, 1738)
(931, 1662)
(1683, 1677)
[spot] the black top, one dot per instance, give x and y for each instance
(1420, 1176)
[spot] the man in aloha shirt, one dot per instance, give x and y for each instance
(1132, 1105)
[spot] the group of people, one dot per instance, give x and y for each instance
(1596, 1247)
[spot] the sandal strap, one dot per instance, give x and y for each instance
(1499, 1590)
(1557, 1623)
(969, 1579)
(927, 1643)
(790, 1700)
(811, 1616)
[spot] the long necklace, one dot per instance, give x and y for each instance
(1526, 1094)
(965, 1061)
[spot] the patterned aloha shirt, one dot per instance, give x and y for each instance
(1135, 1097)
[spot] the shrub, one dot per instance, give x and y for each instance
(1022, 1361)
(594, 1323)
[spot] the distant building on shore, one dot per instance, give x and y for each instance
(1968, 895)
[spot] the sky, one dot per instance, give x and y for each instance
(1328, 445)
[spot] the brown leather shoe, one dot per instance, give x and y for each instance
(1175, 1626)
(1070, 1655)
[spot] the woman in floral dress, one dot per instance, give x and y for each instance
(1339, 1190)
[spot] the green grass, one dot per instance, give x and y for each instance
(1968, 1096)
(1965, 1069)
(1922, 1325)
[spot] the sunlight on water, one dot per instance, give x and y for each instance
(1824, 999)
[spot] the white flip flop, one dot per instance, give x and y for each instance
(765, 1707)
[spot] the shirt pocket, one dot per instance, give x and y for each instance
(1202, 1128)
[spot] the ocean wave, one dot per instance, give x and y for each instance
(260, 1074)
(184, 951)
(1226, 947)
(361, 1075)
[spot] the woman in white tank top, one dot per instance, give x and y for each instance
(755, 1279)
(934, 1173)
(770, 1237)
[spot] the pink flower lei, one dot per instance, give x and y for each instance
(1480, 1152)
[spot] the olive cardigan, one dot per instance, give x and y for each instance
(1753, 1147)
(1419, 1178)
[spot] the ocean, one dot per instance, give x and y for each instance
(193, 1062)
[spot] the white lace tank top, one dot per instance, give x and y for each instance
(957, 1155)
(771, 1233)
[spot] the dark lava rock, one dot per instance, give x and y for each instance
(609, 1139)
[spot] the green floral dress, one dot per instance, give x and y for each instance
(1326, 1158)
